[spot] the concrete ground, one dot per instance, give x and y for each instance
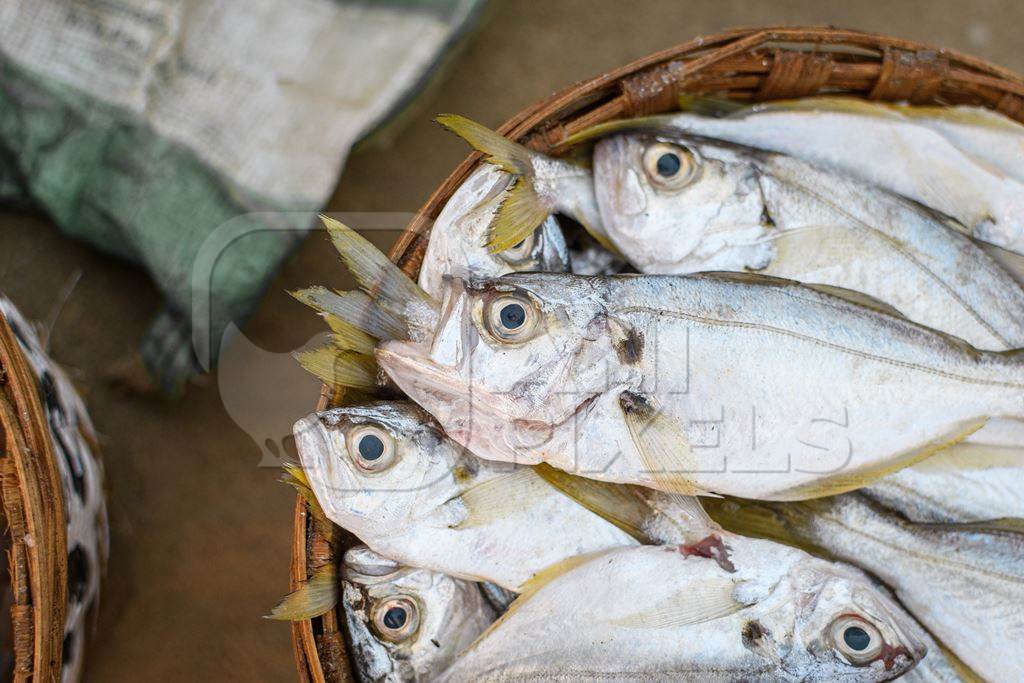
(201, 532)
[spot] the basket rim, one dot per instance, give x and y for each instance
(784, 62)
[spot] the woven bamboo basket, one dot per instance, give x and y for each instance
(747, 65)
(54, 512)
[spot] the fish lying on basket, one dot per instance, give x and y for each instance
(407, 624)
(612, 377)
(965, 162)
(382, 612)
(767, 613)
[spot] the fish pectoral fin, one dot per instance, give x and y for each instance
(502, 497)
(634, 508)
(553, 571)
(1011, 261)
(702, 601)
(858, 298)
(618, 504)
(339, 369)
(836, 104)
(843, 482)
(661, 123)
(662, 445)
(969, 457)
(316, 596)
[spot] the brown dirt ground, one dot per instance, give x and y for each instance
(201, 532)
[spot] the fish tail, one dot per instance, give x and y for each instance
(312, 598)
(340, 369)
(356, 309)
(506, 154)
(378, 278)
(522, 209)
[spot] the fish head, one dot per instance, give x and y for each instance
(404, 623)
(847, 628)
(458, 239)
(509, 358)
(674, 206)
(376, 467)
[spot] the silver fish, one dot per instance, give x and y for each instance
(724, 383)
(386, 472)
(458, 237)
(726, 208)
(406, 625)
(768, 613)
(965, 583)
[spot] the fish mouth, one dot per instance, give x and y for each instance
(463, 410)
(408, 365)
(309, 442)
(327, 475)
(912, 648)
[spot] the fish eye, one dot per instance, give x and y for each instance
(396, 619)
(856, 639)
(522, 253)
(371, 448)
(670, 167)
(511, 318)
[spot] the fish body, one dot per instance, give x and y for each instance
(458, 237)
(423, 501)
(771, 613)
(963, 163)
(965, 586)
(406, 624)
(756, 387)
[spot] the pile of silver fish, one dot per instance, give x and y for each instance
(735, 393)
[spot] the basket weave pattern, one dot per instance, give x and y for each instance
(35, 517)
(747, 65)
